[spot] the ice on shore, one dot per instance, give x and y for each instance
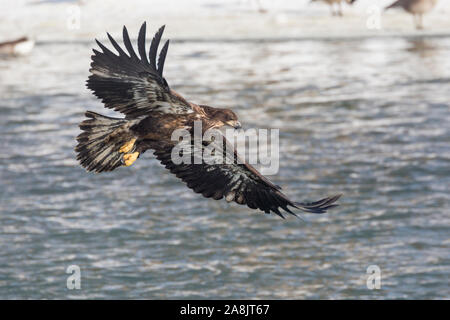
(54, 20)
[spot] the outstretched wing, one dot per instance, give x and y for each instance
(132, 85)
(235, 180)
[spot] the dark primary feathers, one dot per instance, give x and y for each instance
(132, 85)
(238, 182)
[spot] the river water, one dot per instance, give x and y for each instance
(368, 118)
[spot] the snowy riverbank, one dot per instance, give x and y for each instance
(203, 19)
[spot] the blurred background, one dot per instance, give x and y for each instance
(362, 103)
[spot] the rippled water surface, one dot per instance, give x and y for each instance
(368, 118)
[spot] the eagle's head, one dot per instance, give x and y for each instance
(219, 117)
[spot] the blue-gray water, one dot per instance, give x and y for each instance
(369, 118)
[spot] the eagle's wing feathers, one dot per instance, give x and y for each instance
(132, 85)
(235, 181)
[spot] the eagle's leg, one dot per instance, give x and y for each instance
(127, 146)
(130, 158)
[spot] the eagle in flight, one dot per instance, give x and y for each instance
(134, 85)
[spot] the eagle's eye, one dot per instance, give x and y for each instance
(230, 116)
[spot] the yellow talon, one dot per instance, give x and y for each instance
(127, 146)
(130, 158)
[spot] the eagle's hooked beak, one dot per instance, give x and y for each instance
(235, 124)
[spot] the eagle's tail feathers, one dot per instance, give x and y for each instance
(99, 143)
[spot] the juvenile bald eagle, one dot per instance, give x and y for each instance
(134, 85)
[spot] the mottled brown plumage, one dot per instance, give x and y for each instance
(134, 85)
